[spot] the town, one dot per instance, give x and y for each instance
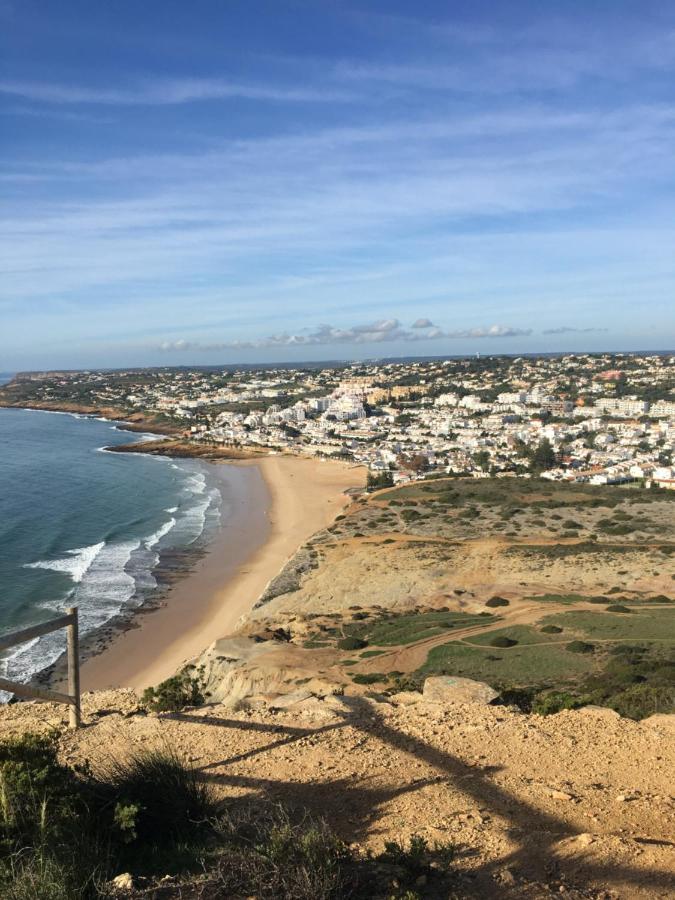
(597, 418)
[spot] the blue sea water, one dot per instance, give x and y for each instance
(79, 526)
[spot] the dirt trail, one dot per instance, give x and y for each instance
(409, 657)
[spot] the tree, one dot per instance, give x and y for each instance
(378, 480)
(543, 457)
(482, 459)
(416, 462)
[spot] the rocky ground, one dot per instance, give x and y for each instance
(578, 804)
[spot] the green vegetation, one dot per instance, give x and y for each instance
(187, 688)
(648, 623)
(543, 457)
(496, 601)
(634, 680)
(521, 634)
(65, 832)
(368, 677)
(351, 643)
(377, 481)
(580, 647)
(502, 641)
(565, 599)
(405, 629)
(542, 663)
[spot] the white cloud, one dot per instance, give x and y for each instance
(382, 331)
(567, 329)
(165, 92)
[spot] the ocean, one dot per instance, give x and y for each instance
(82, 527)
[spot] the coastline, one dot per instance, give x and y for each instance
(285, 502)
(133, 422)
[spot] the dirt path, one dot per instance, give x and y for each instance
(409, 657)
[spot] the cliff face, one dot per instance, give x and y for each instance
(577, 804)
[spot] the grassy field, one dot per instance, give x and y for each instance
(641, 624)
(396, 630)
(514, 665)
(523, 634)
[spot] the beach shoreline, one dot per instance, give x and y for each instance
(287, 500)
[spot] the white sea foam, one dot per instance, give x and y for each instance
(156, 537)
(102, 589)
(196, 483)
(76, 563)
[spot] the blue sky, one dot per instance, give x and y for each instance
(222, 181)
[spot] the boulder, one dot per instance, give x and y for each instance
(449, 689)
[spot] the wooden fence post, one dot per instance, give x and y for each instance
(74, 669)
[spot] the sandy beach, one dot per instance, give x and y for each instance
(281, 505)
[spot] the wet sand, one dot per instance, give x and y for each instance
(280, 503)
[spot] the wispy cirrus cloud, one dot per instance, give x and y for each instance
(166, 92)
(568, 329)
(382, 331)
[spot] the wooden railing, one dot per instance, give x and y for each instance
(72, 698)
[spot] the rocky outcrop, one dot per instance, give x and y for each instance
(448, 689)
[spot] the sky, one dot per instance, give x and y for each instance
(224, 181)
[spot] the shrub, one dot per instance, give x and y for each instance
(551, 629)
(177, 692)
(642, 700)
(269, 855)
(521, 697)
(497, 601)
(63, 830)
(503, 642)
(580, 647)
(618, 608)
(155, 794)
(48, 847)
(368, 678)
(352, 643)
(548, 702)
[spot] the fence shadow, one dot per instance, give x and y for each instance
(358, 806)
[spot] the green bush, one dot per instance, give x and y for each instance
(368, 677)
(580, 647)
(352, 643)
(503, 642)
(618, 608)
(64, 830)
(269, 855)
(496, 601)
(546, 703)
(551, 629)
(169, 798)
(642, 700)
(177, 692)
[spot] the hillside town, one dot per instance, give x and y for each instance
(602, 418)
